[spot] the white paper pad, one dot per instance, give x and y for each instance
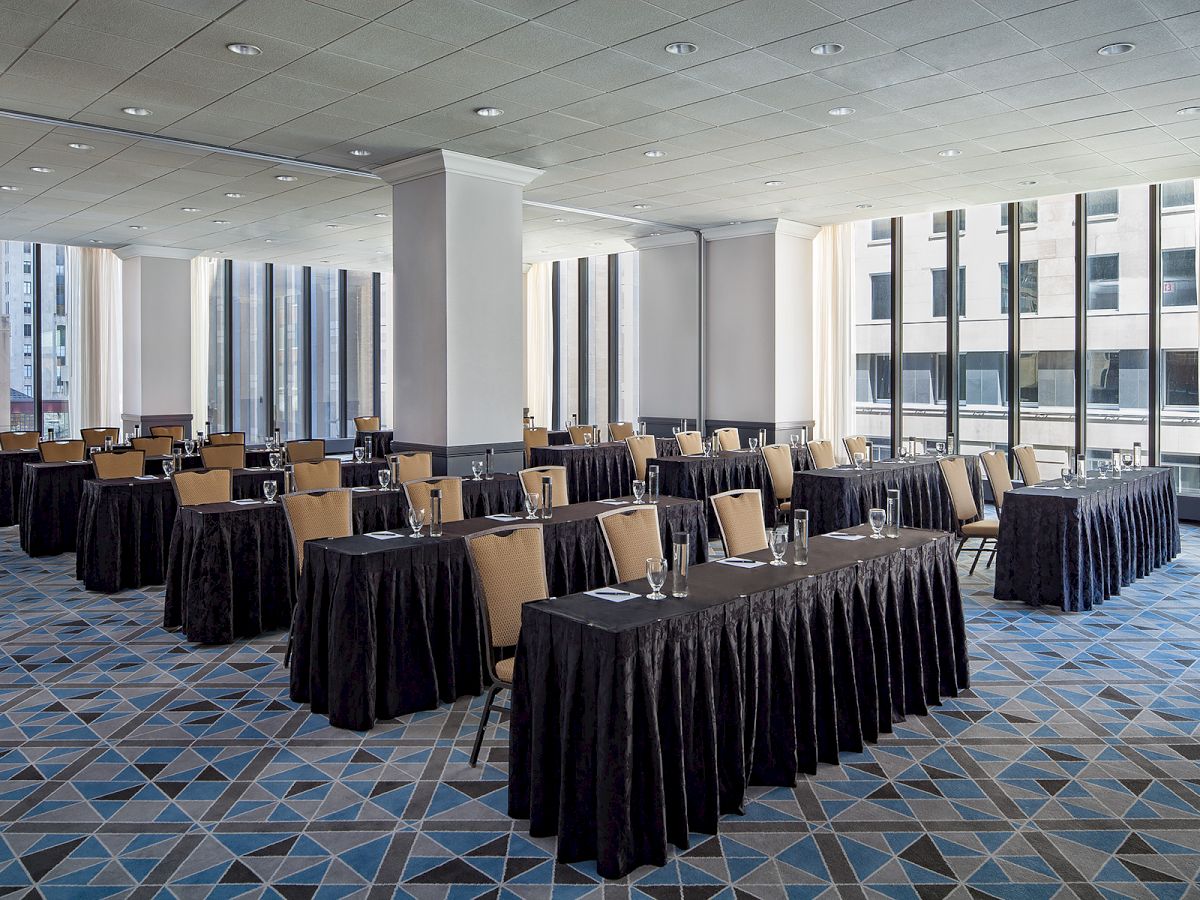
(383, 535)
(360, 489)
(503, 517)
(613, 595)
(145, 478)
(614, 502)
(247, 502)
(839, 536)
(739, 563)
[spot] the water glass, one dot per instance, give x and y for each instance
(800, 537)
(547, 498)
(778, 546)
(1081, 470)
(878, 518)
(1127, 461)
(941, 449)
(587, 439)
(108, 443)
(270, 489)
(168, 467)
(385, 478)
(189, 446)
(360, 453)
(893, 513)
(532, 503)
(1067, 478)
(276, 459)
(652, 483)
(753, 443)
(656, 574)
(794, 440)
(858, 460)
(681, 546)
(1137, 454)
(639, 490)
(675, 429)
(416, 520)
(477, 470)
(1102, 470)
(435, 513)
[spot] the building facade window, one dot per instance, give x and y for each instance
(1027, 213)
(1104, 281)
(1027, 285)
(1103, 203)
(1179, 277)
(939, 222)
(939, 292)
(881, 296)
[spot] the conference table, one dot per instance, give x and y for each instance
(699, 477)
(381, 442)
(12, 471)
(1074, 547)
(636, 724)
(388, 624)
(597, 471)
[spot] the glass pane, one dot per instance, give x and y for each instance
(289, 350)
(983, 331)
(217, 417)
(325, 342)
(598, 341)
(360, 348)
(385, 348)
(568, 340)
(55, 377)
(1180, 362)
(16, 337)
(923, 388)
(627, 271)
(250, 349)
(872, 334)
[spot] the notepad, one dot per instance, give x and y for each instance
(614, 502)
(383, 535)
(360, 489)
(247, 502)
(740, 563)
(613, 595)
(145, 478)
(842, 536)
(503, 517)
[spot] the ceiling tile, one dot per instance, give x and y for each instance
(337, 71)
(534, 42)
(455, 22)
(1010, 70)
(380, 45)
(979, 45)
(869, 74)
(738, 71)
(472, 70)
(725, 110)
(710, 45)
(1139, 72)
(300, 21)
(75, 42)
(609, 21)
(211, 43)
(756, 22)
(858, 45)
(790, 93)
(919, 92)
(607, 70)
(917, 21)
(1079, 18)
(136, 20)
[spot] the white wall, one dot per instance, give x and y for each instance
(794, 381)
(157, 342)
(669, 338)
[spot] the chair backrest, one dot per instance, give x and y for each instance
(62, 451)
(821, 454)
(1027, 463)
(320, 514)
(632, 537)
(855, 443)
(728, 439)
(620, 431)
(510, 564)
(642, 448)
(411, 466)
(954, 472)
(94, 437)
(154, 446)
(325, 475)
(778, 458)
(19, 440)
(198, 488)
(535, 437)
(740, 515)
(174, 432)
(223, 456)
(690, 442)
(366, 423)
(129, 464)
(419, 492)
(531, 481)
(305, 451)
(995, 463)
(580, 434)
(221, 438)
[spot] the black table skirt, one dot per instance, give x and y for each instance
(700, 477)
(1076, 548)
(636, 724)
(598, 472)
(12, 474)
(362, 474)
(839, 498)
(379, 510)
(386, 628)
(381, 441)
(50, 494)
(124, 532)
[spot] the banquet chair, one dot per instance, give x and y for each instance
(305, 451)
(535, 437)
(821, 454)
(509, 564)
(410, 466)
(856, 443)
(419, 491)
(366, 423)
(174, 432)
(94, 437)
(620, 431)
(632, 537)
(642, 449)
(691, 443)
(580, 433)
(1027, 464)
(740, 516)
(198, 488)
(315, 515)
(531, 481)
(227, 456)
(728, 439)
(325, 475)
(128, 464)
(962, 498)
(154, 446)
(223, 438)
(995, 463)
(19, 440)
(778, 458)
(62, 451)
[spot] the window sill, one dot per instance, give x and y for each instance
(882, 242)
(1025, 226)
(1178, 210)
(1105, 217)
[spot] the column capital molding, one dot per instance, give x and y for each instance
(448, 162)
(765, 226)
(667, 239)
(133, 251)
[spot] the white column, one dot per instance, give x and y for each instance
(456, 258)
(156, 290)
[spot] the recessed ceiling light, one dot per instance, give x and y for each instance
(138, 227)
(829, 49)
(43, 170)
(285, 178)
(595, 243)
(681, 48)
(78, 146)
(655, 154)
(641, 206)
(842, 111)
(136, 111)
(1188, 111)
(738, 222)
(244, 49)
(1116, 49)
(93, 241)
(331, 225)
(220, 221)
(489, 112)
(383, 215)
(233, 195)
(862, 205)
(560, 221)
(949, 152)
(655, 234)
(1026, 183)
(268, 240)
(9, 187)
(358, 151)
(325, 262)
(772, 183)
(189, 209)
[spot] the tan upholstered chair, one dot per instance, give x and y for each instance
(995, 463)
(620, 431)
(821, 454)
(580, 434)
(958, 484)
(1027, 464)
(174, 432)
(418, 493)
(632, 537)
(62, 451)
(728, 439)
(19, 440)
(411, 466)
(223, 456)
(691, 443)
(856, 443)
(778, 458)
(129, 464)
(154, 446)
(535, 437)
(222, 438)
(510, 569)
(531, 481)
(316, 515)
(198, 488)
(642, 449)
(740, 515)
(325, 475)
(94, 437)
(305, 451)
(366, 423)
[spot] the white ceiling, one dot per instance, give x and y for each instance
(586, 87)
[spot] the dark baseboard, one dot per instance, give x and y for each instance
(1189, 507)
(128, 420)
(457, 459)
(777, 432)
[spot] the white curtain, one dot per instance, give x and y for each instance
(93, 288)
(539, 342)
(204, 273)
(833, 333)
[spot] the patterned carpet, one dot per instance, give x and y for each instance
(135, 765)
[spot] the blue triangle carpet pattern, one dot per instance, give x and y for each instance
(136, 765)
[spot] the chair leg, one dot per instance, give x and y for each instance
(975, 562)
(962, 542)
(992, 558)
(483, 722)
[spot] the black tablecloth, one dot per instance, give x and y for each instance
(699, 477)
(50, 494)
(388, 627)
(12, 473)
(362, 474)
(1075, 547)
(123, 533)
(600, 472)
(841, 497)
(379, 510)
(634, 724)
(558, 438)
(381, 441)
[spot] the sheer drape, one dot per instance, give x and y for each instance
(93, 294)
(204, 271)
(539, 342)
(833, 332)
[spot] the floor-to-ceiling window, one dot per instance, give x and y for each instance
(386, 375)
(56, 413)
(290, 339)
(926, 294)
(249, 364)
(626, 367)
(1179, 360)
(360, 327)
(17, 322)
(324, 350)
(566, 331)
(983, 324)
(873, 338)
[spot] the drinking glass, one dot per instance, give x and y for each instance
(168, 467)
(476, 470)
(652, 483)
(1127, 461)
(385, 478)
(639, 490)
(753, 444)
(941, 449)
(533, 502)
(189, 446)
(360, 453)
(675, 429)
(858, 460)
(416, 520)
(107, 443)
(270, 489)
(656, 574)
(795, 441)
(275, 459)
(1067, 478)
(681, 553)
(892, 516)
(877, 517)
(1102, 470)
(587, 440)
(800, 536)
(778, 546)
